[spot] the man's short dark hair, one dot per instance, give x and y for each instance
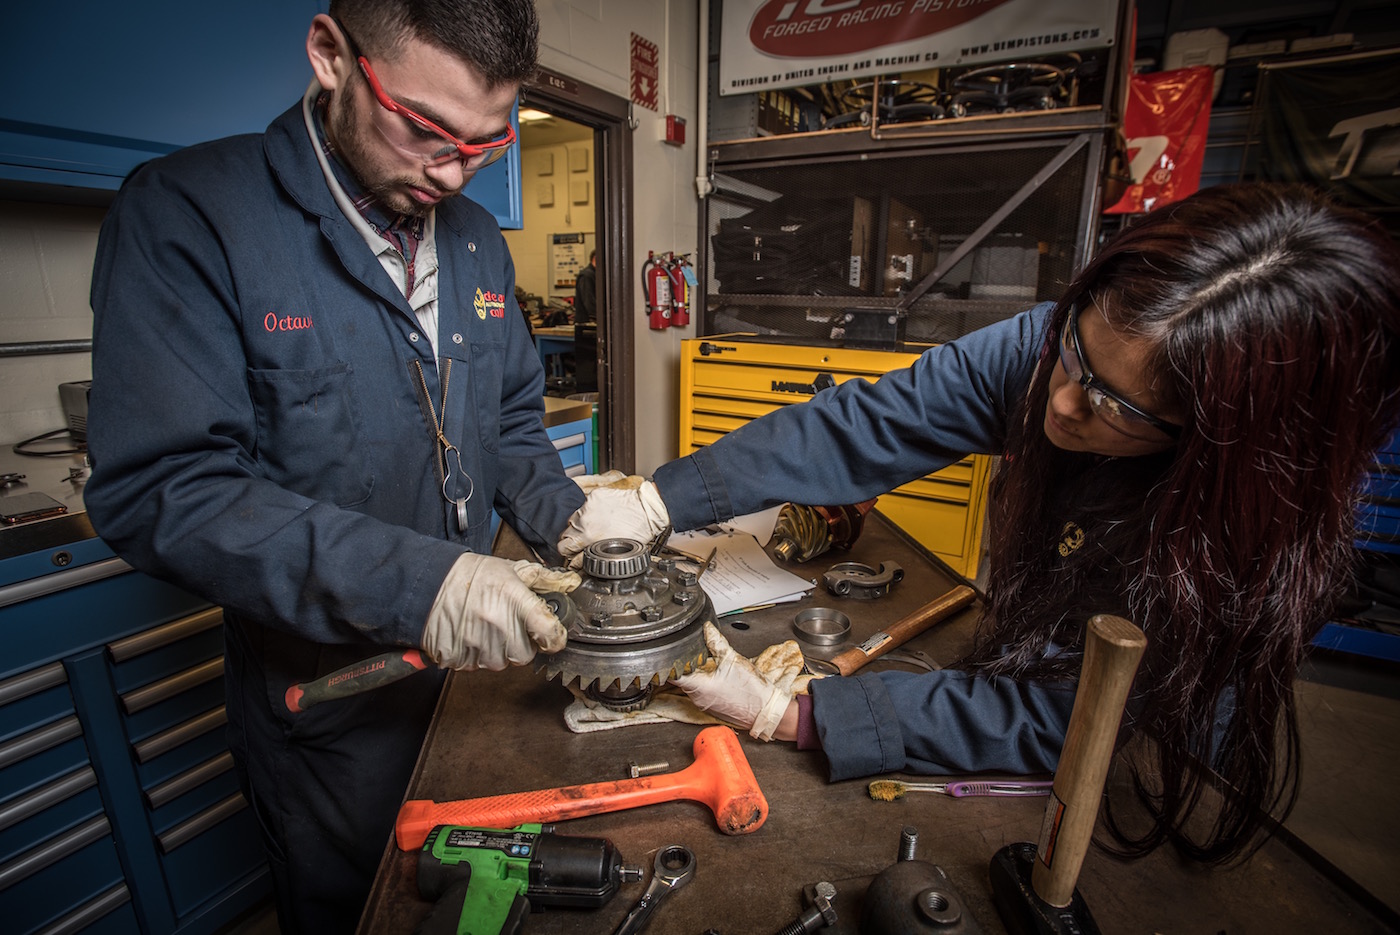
(498, 38)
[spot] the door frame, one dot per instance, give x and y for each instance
(608, 116)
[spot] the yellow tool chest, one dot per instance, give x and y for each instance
(728, 379)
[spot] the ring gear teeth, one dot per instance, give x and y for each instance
(632, 626)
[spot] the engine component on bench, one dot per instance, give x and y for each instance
(634, 623)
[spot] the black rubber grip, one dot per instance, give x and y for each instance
(353, 679)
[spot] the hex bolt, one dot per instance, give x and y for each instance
(601, 619)
(635, 769)
(908, 842)
(664, 564)
(684, 597)
(687, 579)
(651, 614)
(819, 915)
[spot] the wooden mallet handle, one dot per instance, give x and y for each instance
(904, 629)
(1112, 650)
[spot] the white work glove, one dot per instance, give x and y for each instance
(752, 695)
(619, 506)
(487, 614)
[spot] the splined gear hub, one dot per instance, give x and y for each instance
(634, 623)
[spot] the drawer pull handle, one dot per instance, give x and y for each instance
(64, 787)
(182, 733)
(31, 683)
(177, 786)
(37, 741)
(193, 827)
(569, 441)
(164, 635)
(90, 911)
(53, 850)
(141, 698)
(575, 470)
(62, 581)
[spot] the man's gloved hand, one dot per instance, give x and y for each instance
(618, 506)
(487, 614)
(750, 694)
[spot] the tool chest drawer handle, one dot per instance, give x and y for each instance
(36, 859)
(31, 683)
(91, 911)
(61, 581)
(62, 788)
(190, 779)
(193, 827)
(575, 470)
(569, 441)
(141, 698)
(156, 637)
(37, 741)
(182, 733)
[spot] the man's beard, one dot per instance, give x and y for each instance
(354, 146)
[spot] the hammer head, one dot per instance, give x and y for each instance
(722, 778)
(1021, 910)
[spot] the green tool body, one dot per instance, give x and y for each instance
(485, 881)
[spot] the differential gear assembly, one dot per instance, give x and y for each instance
(634, 623)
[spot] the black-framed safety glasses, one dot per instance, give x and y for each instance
(1116, 411)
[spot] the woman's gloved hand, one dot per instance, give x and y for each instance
(618, 506)
(488, 615)
(751, 694)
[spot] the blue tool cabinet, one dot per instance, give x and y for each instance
(1378, 564)
(94, 89)
(119, 808)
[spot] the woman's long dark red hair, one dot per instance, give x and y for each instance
(1274, 318)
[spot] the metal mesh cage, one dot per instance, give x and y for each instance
(830, 249)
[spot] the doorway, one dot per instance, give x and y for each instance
(576, 193)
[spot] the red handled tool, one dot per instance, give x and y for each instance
(355, 678)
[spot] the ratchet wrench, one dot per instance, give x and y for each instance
(675, 865)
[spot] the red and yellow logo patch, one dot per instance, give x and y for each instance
(492, 302)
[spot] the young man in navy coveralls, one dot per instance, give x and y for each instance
(311, 387)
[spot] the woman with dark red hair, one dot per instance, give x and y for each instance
(1183, 435)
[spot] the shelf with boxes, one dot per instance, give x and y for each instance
(918, 242)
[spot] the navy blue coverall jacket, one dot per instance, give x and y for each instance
(259, 439)
(869, 438)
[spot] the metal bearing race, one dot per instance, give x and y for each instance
(615, 559)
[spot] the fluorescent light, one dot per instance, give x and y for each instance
(530, 115)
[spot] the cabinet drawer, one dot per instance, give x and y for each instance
(728, 383)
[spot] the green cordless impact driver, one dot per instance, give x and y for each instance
(485, 881)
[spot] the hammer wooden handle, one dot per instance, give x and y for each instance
(1112, 650)
(904, 629)
(720, 777)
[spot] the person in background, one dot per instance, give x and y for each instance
(1182, 438)
(311, 387)
(586, 292)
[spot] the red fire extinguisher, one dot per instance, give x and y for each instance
(656, 286)
(680, 291)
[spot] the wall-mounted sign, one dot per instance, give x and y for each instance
(645, 74)
(790, 43)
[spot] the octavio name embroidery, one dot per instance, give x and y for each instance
(286, 322)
